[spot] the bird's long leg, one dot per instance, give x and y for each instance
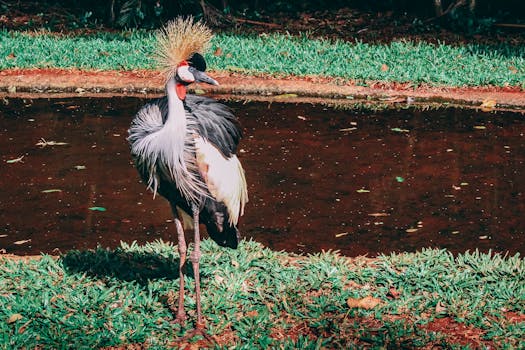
(181, 243)
(195, 257)
(200, 327)
(181, 314)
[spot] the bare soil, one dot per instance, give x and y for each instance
(292, 89)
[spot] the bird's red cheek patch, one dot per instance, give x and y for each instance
(181, 91)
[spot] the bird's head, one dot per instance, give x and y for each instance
(180, 45)
(191, 71)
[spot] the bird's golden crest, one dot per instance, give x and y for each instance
(178, 40)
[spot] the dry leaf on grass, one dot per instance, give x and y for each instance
(440, 308)
(252, 313)
(367, 303)
(14, 317)
(393, 293)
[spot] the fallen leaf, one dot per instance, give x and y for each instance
(51, 190)
(285, 96)
(252, 313)
(393, 293)
(440, 308)
(245, 287)
(488, 105)
(43, 143)
(15, 160)
(23, 328)
(23, 241)
(217, 52)
(400, 130)
(378, 214)
(411, 230)
(399, 179)
(366, 303)
(513, 69)
(97, 208)
(14, 317)
(384, 68)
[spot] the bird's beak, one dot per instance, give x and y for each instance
(201, 77)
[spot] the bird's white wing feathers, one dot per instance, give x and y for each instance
(223, 176)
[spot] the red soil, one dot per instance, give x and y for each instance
(293, 89)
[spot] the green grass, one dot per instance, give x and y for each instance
(255, 298)
(281, 55)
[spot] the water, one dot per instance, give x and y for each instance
(319, 178)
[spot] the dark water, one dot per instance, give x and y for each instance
(319, 178)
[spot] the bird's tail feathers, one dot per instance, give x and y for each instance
(228, 237)
(218, 224)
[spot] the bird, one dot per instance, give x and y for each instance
(184, 147)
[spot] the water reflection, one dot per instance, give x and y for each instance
(319, 178)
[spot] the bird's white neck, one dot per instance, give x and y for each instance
(176, 112)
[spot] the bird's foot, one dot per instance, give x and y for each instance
(198, 331)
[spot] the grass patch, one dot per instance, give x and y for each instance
(257, 298)
(280, 55)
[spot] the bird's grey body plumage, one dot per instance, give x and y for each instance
(166, 156)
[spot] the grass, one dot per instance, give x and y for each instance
(255, 298)
(280, 55)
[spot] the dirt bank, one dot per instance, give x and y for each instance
(59, 82)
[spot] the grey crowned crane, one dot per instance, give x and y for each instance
(184, 147)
